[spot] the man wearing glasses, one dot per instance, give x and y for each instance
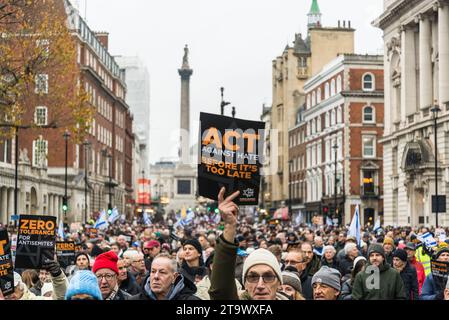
(106, 271)
(296, 260)
(262, 276)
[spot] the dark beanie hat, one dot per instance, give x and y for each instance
(377, 248)
(82, 253)
(194, 243)
(401, 254)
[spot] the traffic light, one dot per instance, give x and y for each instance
(65, 206)
(109, 209)
(325, 209)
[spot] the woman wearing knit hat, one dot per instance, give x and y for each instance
(291, 285)
(408, 274)
(262, 276)
(83, 286)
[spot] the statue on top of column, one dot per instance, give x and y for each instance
(185, 59)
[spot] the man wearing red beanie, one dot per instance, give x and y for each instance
(106, 271)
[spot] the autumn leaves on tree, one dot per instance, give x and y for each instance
(38, 67)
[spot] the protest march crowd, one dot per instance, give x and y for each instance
(239, 259)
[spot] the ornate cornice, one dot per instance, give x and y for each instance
(391, 14)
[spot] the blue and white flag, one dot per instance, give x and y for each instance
(184, 218)
(354, 228)
(61, 230)
(114, 216)
(428, 240)
(102, 222)
(146, 219)
(377, 224)
(329, 221)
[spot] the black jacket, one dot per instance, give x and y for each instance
(148, 261)
(183, 289)
(334, 263)
(346, 290)
(191, 273)
(130, 285)
(345, 265)
(410, 279)
(122, 295)
(306, 285)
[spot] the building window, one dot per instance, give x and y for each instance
(318, 95)
(369, 143)
(308, 102)
(368, 114)
(313, 99)
(40, 116)
(326, 91)
(40, 151)
(339, 84)
(41, 81)
(333, 87)
(368, 82)
(184, 187)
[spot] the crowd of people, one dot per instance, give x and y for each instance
(239, 259)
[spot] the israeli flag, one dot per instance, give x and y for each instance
(61, 230)
(114, 216)
(185, 218)
(428, 240)
(377, 224)
(102, 222)
(354, 228)
(146, 219)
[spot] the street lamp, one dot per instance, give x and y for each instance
(335, 147)
(65, 206)
(143, 191)
(233, 112)
(86, 145)
(290, 162)
(435, 111)
(223, 103)
(109, 156)
(16, 161)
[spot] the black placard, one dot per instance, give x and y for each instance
(35, 241)
(6, 265)
(230, 156)
(441, 204)
(440, 273)
(65, 252)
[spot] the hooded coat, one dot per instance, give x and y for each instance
(388, 287)
(182, 289)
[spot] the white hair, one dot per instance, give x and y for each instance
(349, 247)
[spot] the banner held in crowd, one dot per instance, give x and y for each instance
(6, 264)
(65, 252)
(231, 156)
(35, 242)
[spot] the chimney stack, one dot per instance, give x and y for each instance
(103, 37)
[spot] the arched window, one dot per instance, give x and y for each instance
(332, 118)
(368, 82)
(308, 102)
(318, 95)
(368, 115)
(326, 121)
(326, 90)
(313, 99)
(339, 84)
(333, 87)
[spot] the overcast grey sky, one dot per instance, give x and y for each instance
(232, 44)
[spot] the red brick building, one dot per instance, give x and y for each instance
(107, 155)
(343, 119)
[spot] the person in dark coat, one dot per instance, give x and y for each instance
(164, 282)
(193, 264)
(329, 258)
(126, 280)
(295, 259)
(408, 274)
(346, 288)
(345, 264)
